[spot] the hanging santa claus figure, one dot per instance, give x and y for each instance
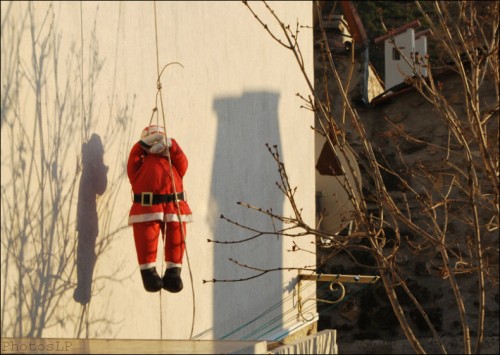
(159, 206)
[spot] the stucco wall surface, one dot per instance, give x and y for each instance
(79, 83)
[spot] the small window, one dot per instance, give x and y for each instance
(395, 54)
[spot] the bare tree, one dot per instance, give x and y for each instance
(446, 208)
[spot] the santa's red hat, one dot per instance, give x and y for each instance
(153, 129)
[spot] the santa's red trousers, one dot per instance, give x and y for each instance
(146, 241)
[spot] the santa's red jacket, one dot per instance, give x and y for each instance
(151, 173)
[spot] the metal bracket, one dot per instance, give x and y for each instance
(336, 281)
(360, 279)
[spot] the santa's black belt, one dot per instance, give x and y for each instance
(149, 198)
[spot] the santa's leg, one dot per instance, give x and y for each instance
(174, 252)
(146, 244)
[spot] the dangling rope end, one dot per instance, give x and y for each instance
(155, 109)
(159, 75)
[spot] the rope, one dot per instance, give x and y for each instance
(156, 110)
(182, 224)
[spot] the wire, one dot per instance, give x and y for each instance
(263, 314)
(287, 317)
(280, 319)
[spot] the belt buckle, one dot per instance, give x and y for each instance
(150, 199)
(179, 197)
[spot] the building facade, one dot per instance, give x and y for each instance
(79, 83)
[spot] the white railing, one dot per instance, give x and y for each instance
(324, 342)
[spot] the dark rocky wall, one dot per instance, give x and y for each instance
(365, 313)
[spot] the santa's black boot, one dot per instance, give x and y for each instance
(172, 281)
(151, 280)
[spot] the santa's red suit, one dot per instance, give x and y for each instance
(153, 180)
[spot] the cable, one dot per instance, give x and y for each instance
(263, 314)
(282, 319)
(279, 318)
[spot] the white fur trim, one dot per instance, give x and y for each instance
(147, 266)
(158, 216)
(175, 218)
(151, 130)
(137, 218)
(171, 265)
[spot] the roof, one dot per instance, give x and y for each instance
(402, 88)
(354, 22)
(401, 29)
(422, 33)
(351, 16)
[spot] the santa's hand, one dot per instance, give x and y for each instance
(152, 139)
(161, 147)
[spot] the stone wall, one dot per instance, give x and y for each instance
(366, 313)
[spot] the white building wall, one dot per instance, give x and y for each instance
(397, 70)
(71, 70)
